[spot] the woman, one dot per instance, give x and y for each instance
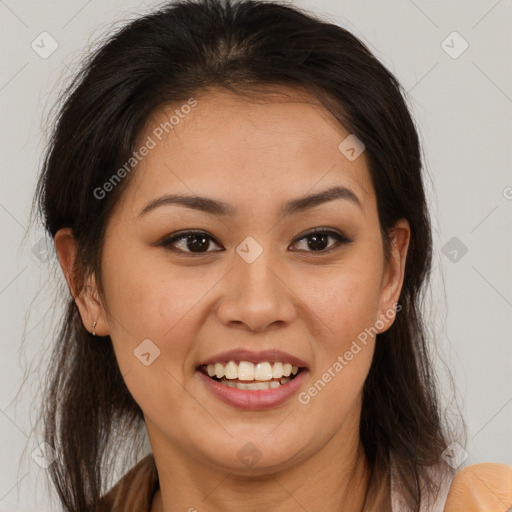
(236, 199)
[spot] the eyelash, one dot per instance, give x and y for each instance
(338, 237)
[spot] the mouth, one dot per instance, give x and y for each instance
(248, 376)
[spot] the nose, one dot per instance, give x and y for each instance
(257, 297)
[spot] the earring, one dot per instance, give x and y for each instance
(93, 326)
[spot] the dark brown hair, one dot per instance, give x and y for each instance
(243, 46)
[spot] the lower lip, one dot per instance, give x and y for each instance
(253, 400)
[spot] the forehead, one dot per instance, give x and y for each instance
(283, 143)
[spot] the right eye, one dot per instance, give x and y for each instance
(191, 242)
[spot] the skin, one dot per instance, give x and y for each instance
(255, 156)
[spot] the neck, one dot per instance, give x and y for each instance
(334, 478)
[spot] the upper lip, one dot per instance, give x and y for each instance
(255, 357)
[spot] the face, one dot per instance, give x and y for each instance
(253, 278)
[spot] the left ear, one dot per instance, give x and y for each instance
(393, 275)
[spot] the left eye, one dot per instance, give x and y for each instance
(318, 239)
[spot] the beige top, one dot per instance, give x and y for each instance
(485, 487)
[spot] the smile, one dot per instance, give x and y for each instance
(252, 385)
(249, 376)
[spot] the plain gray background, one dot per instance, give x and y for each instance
(461, 99)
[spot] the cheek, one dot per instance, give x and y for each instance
(346, 307)
(144, 306)
(344, 303)
(345, 300)
(145, 297)
(147, 302)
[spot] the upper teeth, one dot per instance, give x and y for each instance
(244, 370)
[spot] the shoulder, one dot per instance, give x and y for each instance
(480, 488)
(134, 491)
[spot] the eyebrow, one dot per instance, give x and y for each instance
(216, 207)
